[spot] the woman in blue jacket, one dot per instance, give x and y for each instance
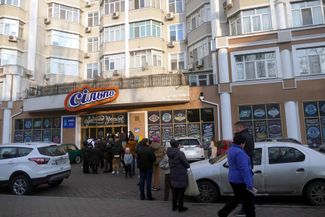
(240, 178)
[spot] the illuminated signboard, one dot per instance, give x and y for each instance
(87, 97)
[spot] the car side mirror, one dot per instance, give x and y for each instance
(226, 165)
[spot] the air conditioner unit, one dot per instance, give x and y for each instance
(115, 73)
(116, 15)
(46, 77)
(170, 44)
(12, 38)
(88, 4)
(190, 67)
(170, 16)
(87, 55)
(199, 63)
(47, 21)
(28, 73)
(227, 4)
(87, 30)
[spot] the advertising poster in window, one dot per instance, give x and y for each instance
(28, 136)
(166, 117)
(56, 135)
(153, 118)
(249, 126)
(322, 108)
(28, 124)
(260, 130)
(167, 133)
(47, 135)
(47, 123)
(18, 137)
(56, 122)
(179, 116)
(310, 109)
(207, 133)
(259, 112)
(193, 115)
(180, 130)
(274, 128)
(313, 132)
(120, 118)
(37, 135)
(322, 121)
(19, 124)
(194, 130)
(37, 123)
(273, 111)
(154, 133)
(245, 113)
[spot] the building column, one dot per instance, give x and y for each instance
(292, 120)
(6, 127)
(126, 40)
(280, 14)
(225, 101)
(286, 64)
(32, 35)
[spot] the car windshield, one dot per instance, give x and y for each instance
(185, 142)
(52, 150)
(218, 158)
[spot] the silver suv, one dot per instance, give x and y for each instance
(27, 165)
(191, 147)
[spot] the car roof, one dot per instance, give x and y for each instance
(185, 137)
(29, 144)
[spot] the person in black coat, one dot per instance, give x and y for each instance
(95, 156)
(146, 158)
(117, 150)
(85, 154)
(178, 166)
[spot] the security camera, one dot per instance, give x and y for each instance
(201, 96)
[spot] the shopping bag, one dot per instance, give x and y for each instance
(192, 189)
(163, 164)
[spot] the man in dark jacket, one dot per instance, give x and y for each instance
(178, 165)
(146, 158)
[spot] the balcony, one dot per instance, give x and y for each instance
(162, 80)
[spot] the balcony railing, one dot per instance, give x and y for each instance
(122, 83)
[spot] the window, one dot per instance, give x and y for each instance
(201, 79)
(93, 19)
(314, 113)
(64, 12)
(8, 152)
(10, 57)
(177, 61)
(176, 32)
(138, 4)
(257, 156)
(145, 58)
(284, 155)
(92, 70)
(176, 6)
(254, 20)
(92, 44)
(63, 67)
(10, 2)
(255, 66)
(263, 121)
(65, 39)
(311, 60)
(199, 50)
(10, 27)
(22, 152)
(114, 33)
(145, 29)
(114, 62)
(111, 6)
(307, 13)
(198, 17)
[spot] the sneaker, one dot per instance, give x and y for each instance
(240, 213)
(113, 172)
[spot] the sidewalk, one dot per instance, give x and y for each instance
(37, 206)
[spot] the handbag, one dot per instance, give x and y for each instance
(192, 189)
(163, 164)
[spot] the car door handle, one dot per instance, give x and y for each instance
(300, 170)
(258, 172)
(10, 162)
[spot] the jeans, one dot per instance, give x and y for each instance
(241, 194)
(145, 180)
(178, 198)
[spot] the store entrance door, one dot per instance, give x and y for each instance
(138, 124)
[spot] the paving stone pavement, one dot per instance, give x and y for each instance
(114, 196)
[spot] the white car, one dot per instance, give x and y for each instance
(191, 147)
(26, 165)
(280, 168)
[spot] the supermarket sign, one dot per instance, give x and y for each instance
(87, 97)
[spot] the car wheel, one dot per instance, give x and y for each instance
(209, 192)
(315, 193)
(77, 159)
(56, 183)
(20, 185)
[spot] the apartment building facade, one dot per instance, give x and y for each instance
(261, 62)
